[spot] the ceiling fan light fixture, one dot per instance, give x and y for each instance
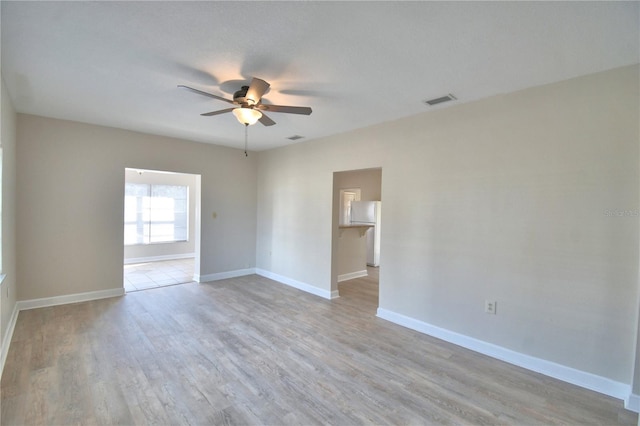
(248, 103)
(247, 116)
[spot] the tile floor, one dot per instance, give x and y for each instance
(142, 276)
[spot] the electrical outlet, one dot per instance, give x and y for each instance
(490, 306)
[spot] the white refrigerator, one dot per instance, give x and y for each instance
(368, 212)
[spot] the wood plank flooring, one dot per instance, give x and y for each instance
(252, 351)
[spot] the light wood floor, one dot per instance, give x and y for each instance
(252, 351)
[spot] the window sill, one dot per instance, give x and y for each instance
(156, 243)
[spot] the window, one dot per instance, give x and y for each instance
(155, 213)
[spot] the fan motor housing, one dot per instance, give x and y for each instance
(241, 95)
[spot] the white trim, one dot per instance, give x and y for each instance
(561, 372)
(335, 294)
(24, 305)
(632, 403)
(296, 284)
(352, 275)
(6, 342)
(223, 275)
(132, 260)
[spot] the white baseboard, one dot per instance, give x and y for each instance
(632, 403)
(297, 284)
(561, 372)
(6, 341)
(69, 298)
(223, 275)
(352, 275)
(131, 260)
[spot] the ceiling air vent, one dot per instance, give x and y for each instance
(436, 101)
(295, 137)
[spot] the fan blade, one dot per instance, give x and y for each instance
(222, 111)
(266, 121)
(211, 95)
(284, 108)
(256, 90)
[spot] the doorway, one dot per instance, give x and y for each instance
(347, 196)
(352, 266)
(161, 228)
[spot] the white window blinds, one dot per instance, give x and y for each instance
(155, 213)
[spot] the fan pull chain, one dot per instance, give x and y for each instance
(246, 131)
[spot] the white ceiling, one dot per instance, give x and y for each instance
(355, 63)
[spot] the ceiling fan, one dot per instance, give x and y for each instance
(249, 107)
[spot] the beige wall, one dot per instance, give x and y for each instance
(71, 202)
(141, 251)
(352, 253)
(8, 291)
(503, 199)
(369, 181)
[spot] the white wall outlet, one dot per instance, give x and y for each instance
(490, 306)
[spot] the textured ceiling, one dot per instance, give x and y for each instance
(355, 63)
